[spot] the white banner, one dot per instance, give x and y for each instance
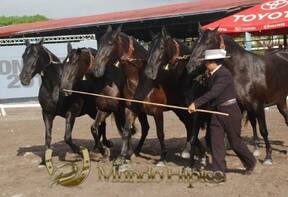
(11, 66)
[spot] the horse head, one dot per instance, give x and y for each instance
(208, 39)
(35, 57)
(161, 52)
(76, 65)
(108, 51)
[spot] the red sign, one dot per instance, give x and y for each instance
(269, 15)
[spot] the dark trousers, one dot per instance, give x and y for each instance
(231, 125)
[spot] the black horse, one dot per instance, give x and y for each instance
(39, 60)
(167, 58)
(259, 80)
(77, 67)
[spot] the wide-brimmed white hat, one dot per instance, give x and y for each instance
(213, 54)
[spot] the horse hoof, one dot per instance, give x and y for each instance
(203, 161)
(134, 155)
(160, 164)
(106, 153)
(108, 143)
(267, 162)
(256, 153)
(185, 155)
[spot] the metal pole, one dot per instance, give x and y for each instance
(248, 43)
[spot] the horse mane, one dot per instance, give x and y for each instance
(235, 47)
(54, 57)
(184, 47)
(93, 51)
(139, 50)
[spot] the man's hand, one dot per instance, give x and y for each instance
(191, 108)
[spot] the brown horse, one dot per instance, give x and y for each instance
(77, 66)
(259, 80)
(114, 47)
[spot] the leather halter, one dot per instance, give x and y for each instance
(50, 57)
(51, 61)
(129, 55)
(177, 56)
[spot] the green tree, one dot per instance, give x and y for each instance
(11, 20)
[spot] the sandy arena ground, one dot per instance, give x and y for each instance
(22, 139)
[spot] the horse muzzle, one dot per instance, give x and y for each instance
(25, 81)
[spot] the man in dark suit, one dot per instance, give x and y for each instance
(222, 96)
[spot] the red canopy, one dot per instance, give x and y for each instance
(166, 11)
(268, 17)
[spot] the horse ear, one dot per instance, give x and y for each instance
(152, 34)
(200, 29)
(164, 32)
(109, 29)
(27, 43)
(41, 41)
(69, 47)
(216, 29)
(118, 30)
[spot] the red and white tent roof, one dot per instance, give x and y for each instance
(270, 16)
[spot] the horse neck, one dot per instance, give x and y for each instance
(183, 50)
(50, 72)
(174, 76)
(85, 64)
(139, 54)
(238, 56)
(49, 53)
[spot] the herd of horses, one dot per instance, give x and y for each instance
(169, 72)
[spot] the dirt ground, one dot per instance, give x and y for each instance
(22, 139)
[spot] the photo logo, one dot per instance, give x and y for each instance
(272, 5)
(68, 174)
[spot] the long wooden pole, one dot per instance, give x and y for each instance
(145, 102)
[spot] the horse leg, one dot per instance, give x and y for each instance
(282, 108)
(48, 121)
(186, 119)
(102, 132)
(196, 142)
(264, 132)
(70, 120)
(158, 117)
(126, 150)
(100, 117)
(252, 120)
(145, 127)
